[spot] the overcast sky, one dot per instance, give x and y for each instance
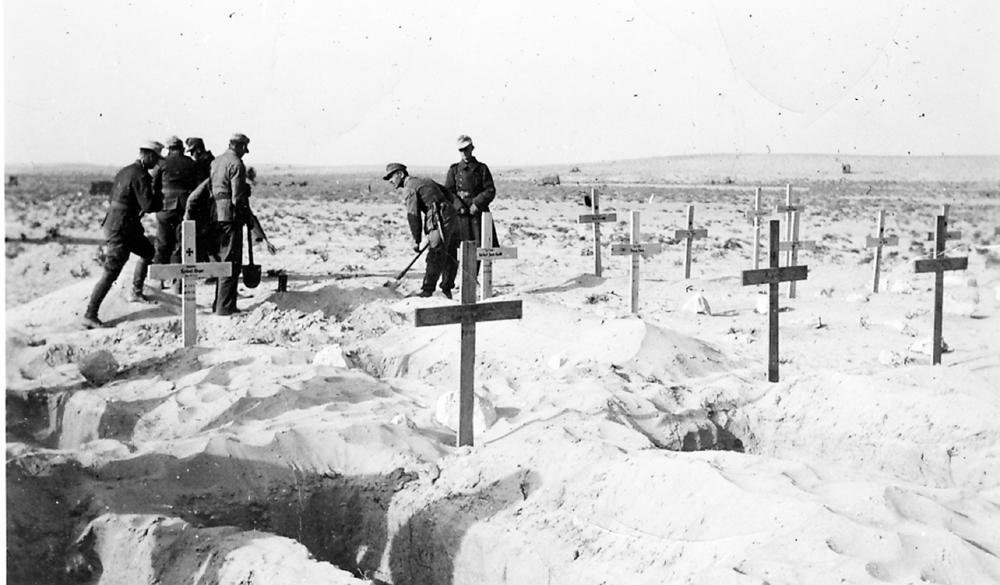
(533, 82)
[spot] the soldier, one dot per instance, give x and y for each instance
(228, 188)
(131, 196)
(471, 184)
(205, 239)
(429, 211)
(175, 178)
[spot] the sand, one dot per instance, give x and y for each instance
(311, 438)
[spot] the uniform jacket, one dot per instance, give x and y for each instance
(471, 182)
(203, 166)
(228, 182)
(175, 178)
(131, 196)
(428, 205)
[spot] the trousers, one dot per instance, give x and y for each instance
(229, 237)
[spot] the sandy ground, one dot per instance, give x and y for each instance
(312, 438)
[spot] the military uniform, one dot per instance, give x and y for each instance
(471, 183)
(429, 211)
(205, 238)
(175, 178)
(228, 188)
(131, 196)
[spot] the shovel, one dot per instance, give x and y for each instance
(394, 283)
(251, 272)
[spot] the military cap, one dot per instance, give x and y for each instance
(151, 145)
(240, 138)
(174, 143)
(392, 168)
(193, 143)
(464, 141)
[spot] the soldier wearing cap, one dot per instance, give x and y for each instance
(175, 178)
(195, 148)
(429, 211)
(202, 215)
(131, 196)
(471, 184)
(228, 182)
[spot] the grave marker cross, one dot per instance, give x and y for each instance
(932, 236)
(689, 234)
(487, 254)
(754, 216)
(938, 266)
(773, 276)
(597, 218)
(635, 249)
(791, 210)
(467, 314)
(877, 242)
(189, 271)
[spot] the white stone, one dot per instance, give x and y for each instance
(447, 412)
(960, 280)
(857, 298)
(763, 304)
(557, 361)
(99, 367)
(401, 420)
(901, 287)
(902, 326)
(331, 355)
(964, 305)
(926, 346)
(698, 305)
(891, 358)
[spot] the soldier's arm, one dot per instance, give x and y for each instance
(413, 215)
(199, 197)
(149, 199)
(489, 192)
(238, 184)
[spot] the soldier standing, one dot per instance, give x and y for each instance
(471, 184)
(204, 240)
(429, 211)
(131, 196)
(228, 188)
(175, 178)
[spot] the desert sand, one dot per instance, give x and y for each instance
(311, 439)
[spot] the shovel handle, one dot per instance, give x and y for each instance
(412, 262)
(250, 244)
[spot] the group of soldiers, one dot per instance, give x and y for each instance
(188, 183)
(446, 214)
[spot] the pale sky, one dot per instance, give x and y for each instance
(533, 82)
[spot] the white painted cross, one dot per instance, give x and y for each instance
(189, 271)
(773, 276)
(487, 254)
(877, 242)
(597, 218)
(791, 209)
(754, 216)
(468, 314)
(938, 266)
(931, 236)
(689, 234)
(635, 249)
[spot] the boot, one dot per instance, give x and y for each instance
(91, 322)
(137, 296)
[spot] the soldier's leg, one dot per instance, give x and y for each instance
(450, 270)
(144, 249)
(230, 250)
(114, 260)
(435, 266)
(165, 237)
(177, 220)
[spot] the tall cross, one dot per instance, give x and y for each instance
(597, 218)
(877, 242)
(189, 271)
(932, 236)
(689, 234)
(754, 216)
(468, 314)
(773, 276)
(487, 254)
(939, 265)
(635, 249)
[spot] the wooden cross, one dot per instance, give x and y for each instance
(597, 218)
(487, 254)
(754, 216)
(877, 242)
(634, 249)
(938, 266)
(931, 236)
(689, 234)
(468, 314)
(773, 276)
(189, 271)
(791, 210)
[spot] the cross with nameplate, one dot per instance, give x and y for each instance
(689, 234)
(931, 236)
(877, 242)
(487, 254)
(635, 249)
(754, 216)
(939, 265)
(467, 314)
(189, 271)
(597, 218)
(791, 209)
(773, 276)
